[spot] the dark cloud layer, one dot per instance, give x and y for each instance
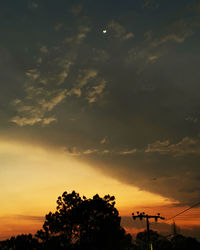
(112, 83)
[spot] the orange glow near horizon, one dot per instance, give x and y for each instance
(32, 178)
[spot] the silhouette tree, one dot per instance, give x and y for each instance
(20, 242)
(181, 242)
(81, 223)
(158, 241)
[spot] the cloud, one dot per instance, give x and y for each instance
(72, 151)
(191, 119)
(84, 85)
(157, 45)
(153, 58)
(33, 74)
(58, 26)
(128, 223)
(28, 217)
(147, 3)
(96, 91)
(176, 32)
(33, 4)
(118, 31)
(42, 93)
(197, 6)
(22, 121)
(75, 152)
(48, 120)
(79, 37)
(150, 4)
(179, 38)
(100, 56)
(85, 76)
(51, 99)
(95, 85)
(90, 151)
(128, 36)
(18, 217)
(185, 146)
(148, 35)
(143, 57)
(76, 9)
(104, 140)
(44, 49)
(37, 104)
(128, 152)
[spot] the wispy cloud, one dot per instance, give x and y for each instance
(95, 85)
(76, 9)
(90, 151)
(142, 57)
(37, 105)
(192, 119)
(178, 38)
(118, 31)
(186, 146)
(79, 37)
(96, 91)
(128, 152)
(104, 140)
(156, 46)
(42, 93)
(23, 217)
(33, 4)
(150, 4)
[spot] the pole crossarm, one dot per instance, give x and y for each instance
(146, 216)
(142, 216)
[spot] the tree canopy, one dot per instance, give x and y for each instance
(81, 223)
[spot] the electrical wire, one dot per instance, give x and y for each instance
(196, 204)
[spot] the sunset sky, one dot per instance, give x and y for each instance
(100, 97)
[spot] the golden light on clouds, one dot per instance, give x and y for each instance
(32, 178)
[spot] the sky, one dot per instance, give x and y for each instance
(99, 97)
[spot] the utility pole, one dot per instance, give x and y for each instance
(142, 216)
(175, 229)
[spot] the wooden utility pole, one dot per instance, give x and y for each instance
(142, 216)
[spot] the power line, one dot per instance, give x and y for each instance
(196, 204)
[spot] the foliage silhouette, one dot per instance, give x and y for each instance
(158, 241)
(179, 242)
(81, 223)
(91, 224)
(20, 242)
